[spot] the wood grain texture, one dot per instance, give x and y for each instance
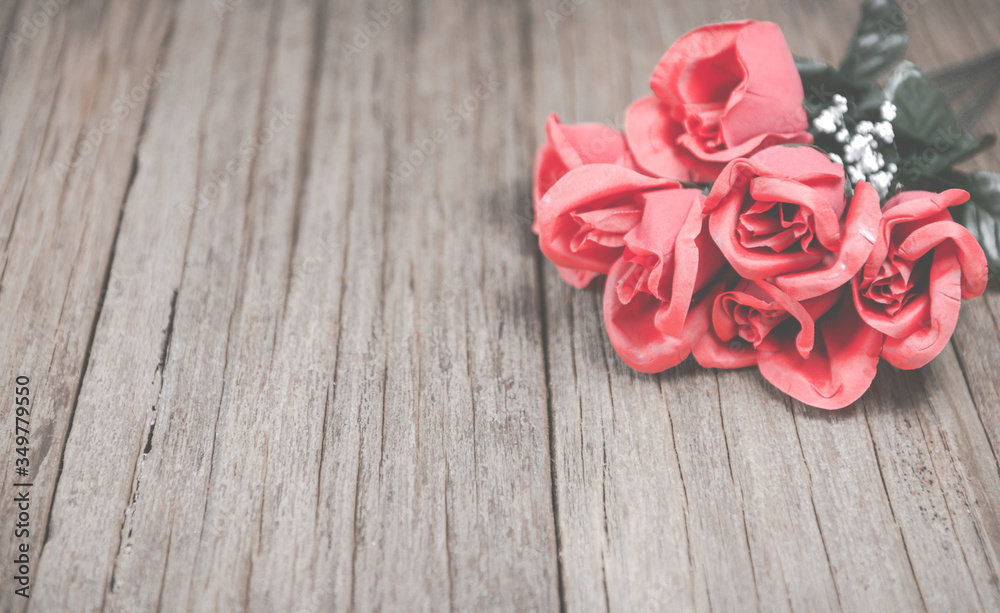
(292, 346)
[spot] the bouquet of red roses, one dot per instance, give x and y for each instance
(740, 219)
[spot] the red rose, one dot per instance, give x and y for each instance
(738, 315)
(721, 92)
(779, 215)
(922, 266)
(583, 218)
(568, 147)
(818, 351)
(668, 259)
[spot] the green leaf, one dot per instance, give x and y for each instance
(981, 215)
(816, 72)
(869, 104)
(879, 41)
(817, 78)
(820, 81)
(922, 111)
(928, 136)
(915, 162)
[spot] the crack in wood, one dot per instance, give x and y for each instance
(892, 512)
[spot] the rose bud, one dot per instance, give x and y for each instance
(668, 259)
(583, 218)
(738, 319)
(817, 351)
(568, 147)
(838, 370)
(922, 266)
(780, 215)
(721, 92)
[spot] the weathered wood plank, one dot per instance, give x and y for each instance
(69, 124)
(863, 540)
(103, 454)
(234, 276)
(454, 506)
(920, 483)
(237, 395)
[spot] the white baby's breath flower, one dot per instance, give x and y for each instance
(871, 161)
(854, 175)
(831, 118)
(826, 122)
(861, 158)
(854, 151)
(880, 181)
(888, 110)
(884, 131)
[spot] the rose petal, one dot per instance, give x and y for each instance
(903, 208)
(826, 224)
(915, 204)
(859, 234)
(652, 137)
(918, 310)
(587, 188)
(709, 349)
(751, 263)
(772, 92)
(668, 259)
(918, 347)
(968, 254)
(548, 169)
(744, 149)
(906, 321)
(605, 227)
(588, 143)
(687, 72)
(696, 262)
(740, 79)
(653, 242)
(571, 146)
(806, 313)
(747, 294)
(814, 180)
(719, 345)
(575, 277)
(806, 165)
(773, 299)
(840, 367)
(632, 328)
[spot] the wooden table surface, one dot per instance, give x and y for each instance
(292, 346)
